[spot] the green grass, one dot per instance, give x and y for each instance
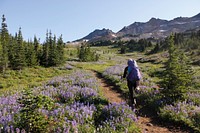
(28, 77)
(150, 65)
(95, 66)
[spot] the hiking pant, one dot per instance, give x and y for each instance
(132, 93)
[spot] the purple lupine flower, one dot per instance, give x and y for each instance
(17, 130)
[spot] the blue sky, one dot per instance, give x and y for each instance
(75, 19)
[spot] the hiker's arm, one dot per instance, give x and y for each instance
(125, 72)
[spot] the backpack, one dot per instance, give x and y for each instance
(134, 74)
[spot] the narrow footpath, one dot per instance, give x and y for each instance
(148, 124)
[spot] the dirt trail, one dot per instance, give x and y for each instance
(146, 123)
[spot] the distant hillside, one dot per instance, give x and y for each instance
(104, 34)
(154, 28)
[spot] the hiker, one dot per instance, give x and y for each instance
(132, 73)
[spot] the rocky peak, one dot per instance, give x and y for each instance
(98, 34)
(156, 21)
(197, 16)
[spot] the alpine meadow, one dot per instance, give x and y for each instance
(78, 87)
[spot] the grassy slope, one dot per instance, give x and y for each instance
(28, 77)
(109, 57)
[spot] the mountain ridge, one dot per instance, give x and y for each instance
(154, 28)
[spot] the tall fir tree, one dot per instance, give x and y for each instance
(4, 43)
(20, 57)
(45, 52)
(12, 50)
(60, 50)
(178, 74)
(31, 58)
(37, 49)
(55, 52)
(53, 57)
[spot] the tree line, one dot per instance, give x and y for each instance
(187, 41)
(125, 46)
(15, 53)
(133, 45)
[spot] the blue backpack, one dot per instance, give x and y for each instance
(134, 74)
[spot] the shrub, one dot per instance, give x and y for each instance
(29, 117)
(182, 112)
(116, 118)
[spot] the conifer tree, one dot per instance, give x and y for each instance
(55, 56)
(51, 51)
(123, 49)
(60, 50)
(12, 50)
(156, 48)
(20, 58)
(31, 57)
(45, 52)
(81, 53)
(36, 48)
(4, 43)
(178, 74)
(85, 53)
